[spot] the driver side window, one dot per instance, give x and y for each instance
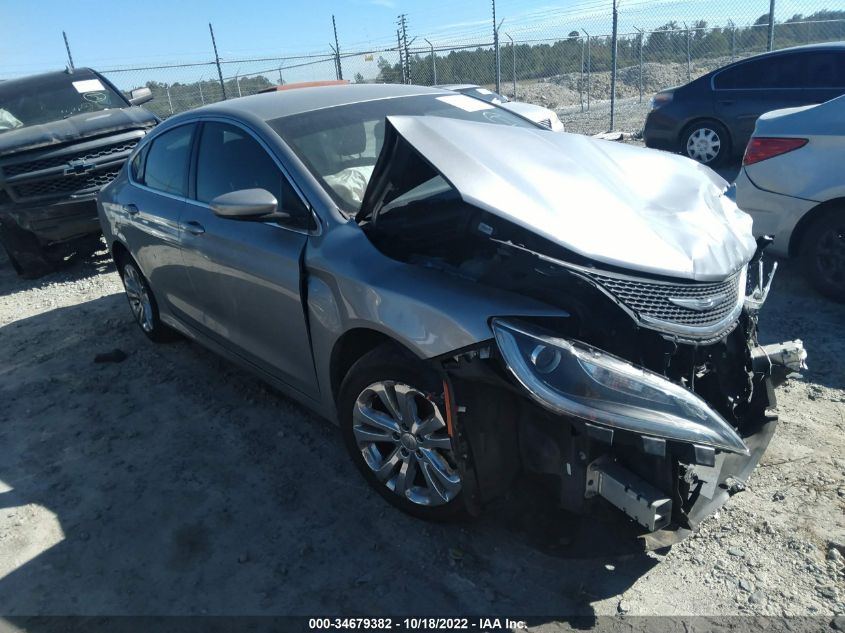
(230, 159)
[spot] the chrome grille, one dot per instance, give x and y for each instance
(650, 299)
(15, 169)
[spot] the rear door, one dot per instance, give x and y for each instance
(246, 274)
(746, 90)
(151, 209)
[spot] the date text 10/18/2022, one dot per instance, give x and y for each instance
(417, 624)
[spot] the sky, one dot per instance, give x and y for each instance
(107, 34)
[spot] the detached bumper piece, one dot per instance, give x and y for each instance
(637, 498)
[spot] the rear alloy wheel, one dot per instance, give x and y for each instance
(706, 142)
(394, 425)
(823, 255)
(142, 303)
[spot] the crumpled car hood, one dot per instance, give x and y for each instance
(76, 127)
(625, 206)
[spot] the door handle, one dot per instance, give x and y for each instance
(131, 209)
(726, 103)
(194, 228)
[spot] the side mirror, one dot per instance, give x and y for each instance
(248, 204)
(140, 95)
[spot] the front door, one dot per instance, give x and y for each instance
(246, 274)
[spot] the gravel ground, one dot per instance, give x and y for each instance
(175, 483)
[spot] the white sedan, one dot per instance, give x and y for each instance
(530, 111)
(793, 185)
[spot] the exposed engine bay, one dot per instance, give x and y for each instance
(649, 392)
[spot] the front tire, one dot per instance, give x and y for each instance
(142, 302)
(394, 423)
(707, 142)
(25, 252)
(822, 255)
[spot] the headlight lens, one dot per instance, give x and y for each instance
(661, 99)
(572, 378)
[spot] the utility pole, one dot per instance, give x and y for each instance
(217, 61)
(771, 42)
(337, 50)
(433, 62)
(613, 66)
(496, 51)
(401, 56)
(69, 56)
(403, 25)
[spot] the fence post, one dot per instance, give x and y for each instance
(689, 59)
(771, 42)
(513, 70)
(69, 56)
(733, 43)
(433, 62)
(202, 98)
(217, 61)
(169, 100)
(640, 77)
(589, 69)
(581, 83)
(238, 82)
(497, 59)
(613, 53)
(337, 51)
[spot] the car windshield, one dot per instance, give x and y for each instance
(53, 98)
(485, 95)
(340, 145)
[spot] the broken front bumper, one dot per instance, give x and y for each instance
(59, 222)
(651, 448)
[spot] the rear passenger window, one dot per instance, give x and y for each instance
(820, 69)
(166, 165)
(826, 69)
(230, 159)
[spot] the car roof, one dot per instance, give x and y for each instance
(33, 81)
(273, 105)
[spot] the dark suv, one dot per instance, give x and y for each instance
(63, 136)
(712, 118)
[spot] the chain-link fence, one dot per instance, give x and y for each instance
(597, 66)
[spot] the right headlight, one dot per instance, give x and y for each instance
(572, 378)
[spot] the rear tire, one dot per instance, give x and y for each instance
(393, 419)
(707, 142)
(25, 252)
(142, 302)
(822, 255)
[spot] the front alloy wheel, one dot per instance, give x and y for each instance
(706, 142)
(402, 437)
(704, 145)
(393, 415)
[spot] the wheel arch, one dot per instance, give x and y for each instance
(118, 253)
(354, 344)
(807, 220)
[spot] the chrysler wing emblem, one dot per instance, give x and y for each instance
(78, 167)
(699, 304)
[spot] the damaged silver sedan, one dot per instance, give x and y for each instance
(468, 295)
